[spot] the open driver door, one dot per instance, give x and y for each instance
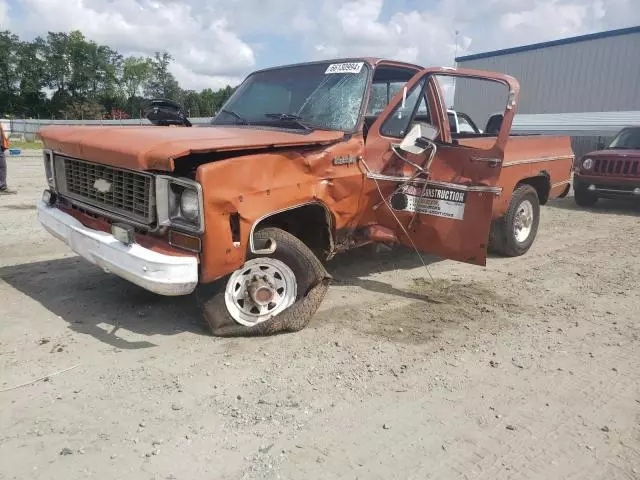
(435, 191)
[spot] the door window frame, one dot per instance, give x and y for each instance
(421, 96)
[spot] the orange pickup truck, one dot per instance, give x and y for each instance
(303, 162)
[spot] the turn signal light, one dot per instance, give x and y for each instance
(184, 241)
(123, 232)
(48, 197)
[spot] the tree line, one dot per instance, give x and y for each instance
(64, 75)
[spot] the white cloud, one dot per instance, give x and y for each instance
(205, 50)
(190, 79)
(541, 17)
(413, 36)
(4, 14)
(427, 36)
(215, 42)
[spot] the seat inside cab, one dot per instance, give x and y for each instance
(387, 80)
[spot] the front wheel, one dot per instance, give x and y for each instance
(272, 293)
(513, 234)
(583, 198)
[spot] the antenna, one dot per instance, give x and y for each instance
(455, 55)
(455, 65)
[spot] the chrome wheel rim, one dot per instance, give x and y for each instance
(523, 221)
(260, 290)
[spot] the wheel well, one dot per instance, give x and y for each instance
(310, 223)
(542, 185)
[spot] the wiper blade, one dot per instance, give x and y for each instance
(289, 117)
(235, 115)
(283, 116)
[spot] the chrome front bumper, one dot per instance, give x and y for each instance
(162, 274)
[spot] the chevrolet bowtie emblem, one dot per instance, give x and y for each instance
(102, 185)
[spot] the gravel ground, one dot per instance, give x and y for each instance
(525, 369)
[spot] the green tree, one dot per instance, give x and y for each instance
(136, 71)
(84, 110)
(211, 101)
(162, 83)
(80, 53)
(135, 106)
(57, 59)
(32, 71)
(208, 102)
(9, 45)
(191, 102)
(67, 75)
(105, 82)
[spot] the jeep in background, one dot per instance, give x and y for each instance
(610, 173)
(296, 167)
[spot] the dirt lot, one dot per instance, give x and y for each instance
(528, 368)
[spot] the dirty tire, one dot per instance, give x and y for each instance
(502, 239)
(583, 198)
(312, 285)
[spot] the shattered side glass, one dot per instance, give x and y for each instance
(378, 98)
(381, 95)
(319, 95)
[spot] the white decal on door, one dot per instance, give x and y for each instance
(437, 201)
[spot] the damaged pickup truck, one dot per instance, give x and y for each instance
(295, 168)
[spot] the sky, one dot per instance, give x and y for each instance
(218, 42)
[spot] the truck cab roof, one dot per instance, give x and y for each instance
(371, 61)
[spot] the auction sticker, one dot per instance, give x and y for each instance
(438, 201)
(352, 67)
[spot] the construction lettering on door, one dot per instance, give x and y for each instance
(439, 201)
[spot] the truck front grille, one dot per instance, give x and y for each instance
(618, 167)
(122, 192)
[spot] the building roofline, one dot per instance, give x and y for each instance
(553, 43)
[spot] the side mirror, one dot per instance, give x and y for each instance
(414, 141)
(600, 145)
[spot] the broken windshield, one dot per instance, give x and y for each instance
(326, 96)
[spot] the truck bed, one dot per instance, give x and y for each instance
(539, 157)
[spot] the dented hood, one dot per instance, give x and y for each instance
(156, 148)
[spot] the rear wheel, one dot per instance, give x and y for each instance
(513, 234)
(272, 293)
(584, 198)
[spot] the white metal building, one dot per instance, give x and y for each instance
(562, 79)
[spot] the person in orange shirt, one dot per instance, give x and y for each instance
(4, 190)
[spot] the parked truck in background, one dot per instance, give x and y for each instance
(293, 170)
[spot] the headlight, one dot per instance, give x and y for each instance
(190, 204)
(587, 163)
(179, 203)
